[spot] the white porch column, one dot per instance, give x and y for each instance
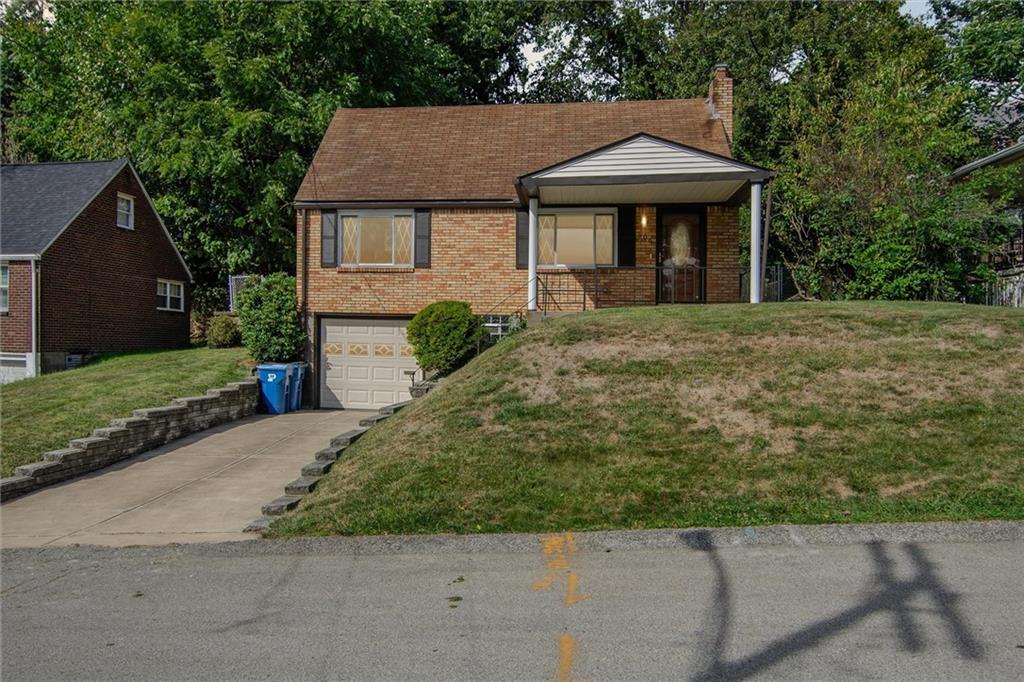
(756, 238)
(532, 246)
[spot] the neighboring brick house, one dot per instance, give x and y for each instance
(86, 266)
(514, 209)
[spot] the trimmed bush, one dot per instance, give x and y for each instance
(444, 335)
(222, 332)
(269, 317)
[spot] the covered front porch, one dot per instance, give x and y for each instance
(644, 221)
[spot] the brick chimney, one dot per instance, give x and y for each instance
(720, 98)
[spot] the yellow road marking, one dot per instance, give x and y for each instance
(557, 550)
(566, 652)
(554, 550)
(572, 594)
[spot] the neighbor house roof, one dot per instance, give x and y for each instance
(37, 201)
(1014, 152)
(476, 153)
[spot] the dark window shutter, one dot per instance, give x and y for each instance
(627, 236)
(422, 238)
(328, 239)
(522, 238)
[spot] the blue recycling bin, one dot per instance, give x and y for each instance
(298, 371)
(274, 382)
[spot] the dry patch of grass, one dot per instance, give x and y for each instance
(712, 415)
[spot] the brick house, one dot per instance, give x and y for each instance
(82, 253)
(514, 209)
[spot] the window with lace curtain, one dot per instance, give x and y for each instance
(370, 238)
(574, 238)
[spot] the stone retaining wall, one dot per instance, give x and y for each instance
(144, 430)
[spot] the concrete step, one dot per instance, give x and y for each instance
(302, 486)
(317, 468)
(259, 525)
(391, 409)
(330, 454)
(283, 504)
(347, 438)
(373, 419)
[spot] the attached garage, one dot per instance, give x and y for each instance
(365, 363)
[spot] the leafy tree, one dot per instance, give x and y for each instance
(987, 52)
(221, 105)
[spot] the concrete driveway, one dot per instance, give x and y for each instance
(202, 488)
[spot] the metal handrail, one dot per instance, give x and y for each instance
(600, 286)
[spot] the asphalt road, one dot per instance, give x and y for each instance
(668, 605)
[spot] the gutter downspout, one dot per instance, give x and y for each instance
(34, 328)
(312, 388)
(305, 264)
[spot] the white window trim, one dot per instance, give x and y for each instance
(131, 212)
(167, 297)
(6, 308)
(602, 210)
(339, 235)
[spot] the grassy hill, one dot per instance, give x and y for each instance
(711, 415)
(45, 412)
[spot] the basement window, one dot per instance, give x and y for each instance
(170, 295)
(126, 211)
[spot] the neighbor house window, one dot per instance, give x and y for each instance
(170, 295)
(125, 211)
(576, 238)
(376, 239)
(5, 283)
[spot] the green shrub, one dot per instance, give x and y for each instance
(269, 317)
(444, 335)
(222, 332)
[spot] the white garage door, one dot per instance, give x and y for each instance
(364, 363)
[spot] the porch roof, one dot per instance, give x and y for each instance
(642, 168)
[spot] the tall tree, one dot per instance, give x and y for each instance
(987, 53)
(222, 104)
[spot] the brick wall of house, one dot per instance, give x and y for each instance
(723, 254)
(473, 259)
(646, 236)
(16, 323)
(98, 281)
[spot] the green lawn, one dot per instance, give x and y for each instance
(46, 412)
(702, 415)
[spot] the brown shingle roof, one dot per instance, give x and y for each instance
(477, 152)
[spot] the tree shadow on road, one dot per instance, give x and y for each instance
(889, 594)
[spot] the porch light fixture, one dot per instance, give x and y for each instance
(643, 219)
